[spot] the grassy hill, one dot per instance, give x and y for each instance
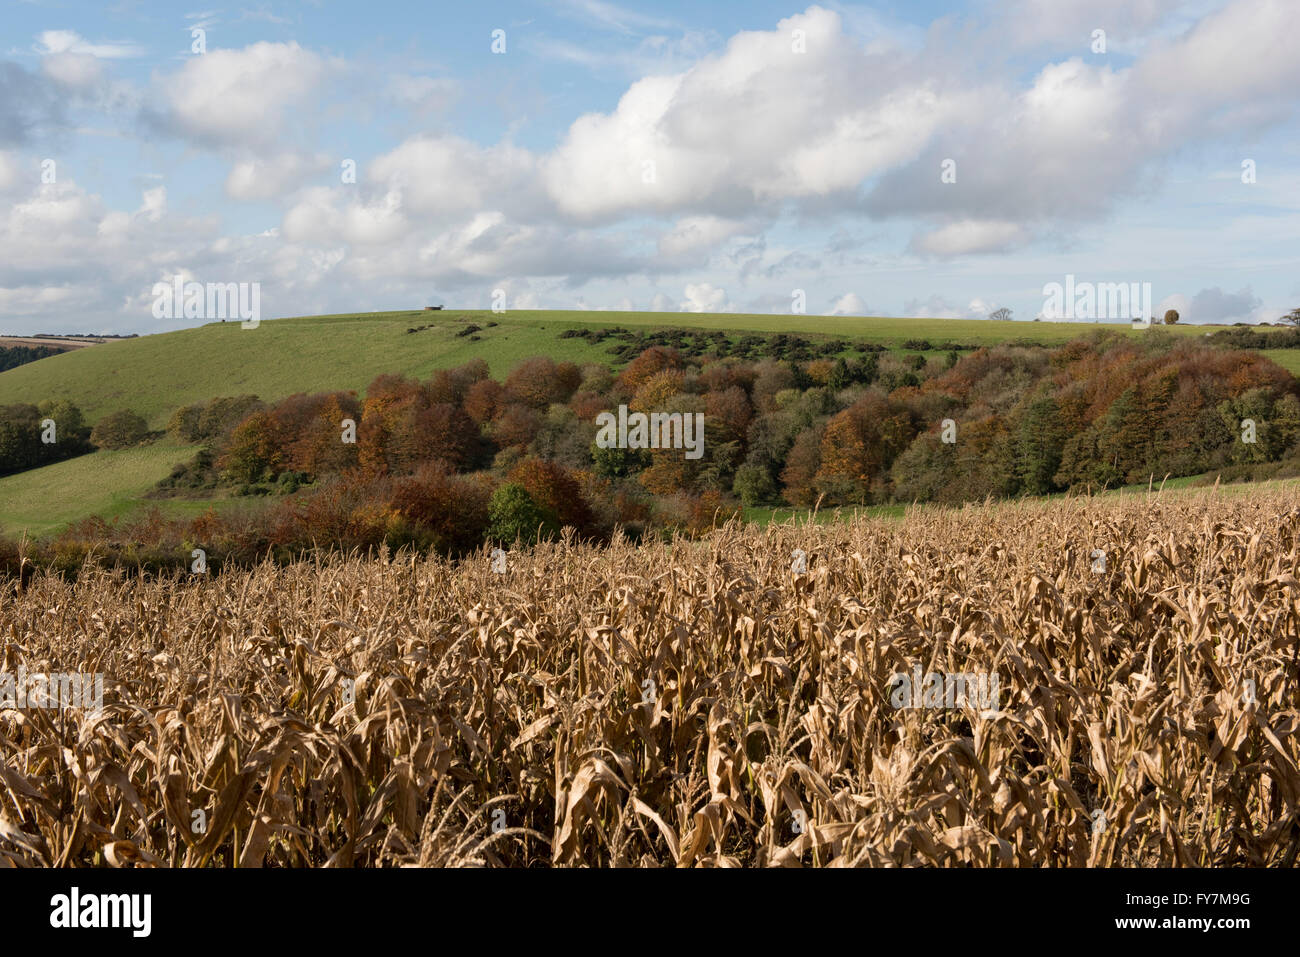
(154, 375)
(103, 483)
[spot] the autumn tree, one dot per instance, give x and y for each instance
(484, 400)
(120, 430)
(649, 363)
(537, 382)
(255, 450)
(555, 489)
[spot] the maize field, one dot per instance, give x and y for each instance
(731, 701)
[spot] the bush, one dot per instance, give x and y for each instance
(183, 426)
(754, 485)
(121, 430)
(447, 511)
(513, 516)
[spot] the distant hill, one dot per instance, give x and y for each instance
(153, 375)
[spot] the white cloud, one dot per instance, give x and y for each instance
(737, 131)
(692, 233)
(849, 304)
(261, 179)
(76, 70)
(704, 297)
(51, 42)
(441, 176)
(154, 204)
(937, 307)
(234, 97)
(969, 236)
(758, 154)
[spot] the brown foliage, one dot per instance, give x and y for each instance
(648, 364)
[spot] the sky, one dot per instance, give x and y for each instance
(899, 158)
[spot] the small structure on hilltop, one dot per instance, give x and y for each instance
(432, 308)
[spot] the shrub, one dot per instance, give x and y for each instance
(754, 485)
(513, 516)
(120, 430)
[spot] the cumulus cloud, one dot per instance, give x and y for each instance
(704, 297)
(77, 70)
(62, 247)
(442, 176)
(238, 97)
(850, 304)
(694, 233)
(736, 131)
(717, 168)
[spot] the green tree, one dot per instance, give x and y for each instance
(841, 378)
(615, 463)
(71, 423)
(513, 516)
(754, 485)
(1039, 442)
(1126, 438)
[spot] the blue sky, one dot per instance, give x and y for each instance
(671, 156)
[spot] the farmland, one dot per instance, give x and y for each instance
(688, 703)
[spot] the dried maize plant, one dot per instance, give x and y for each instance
(703, 703)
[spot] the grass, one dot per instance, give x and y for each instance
(890, 332)
(154, 375)
(763, 515)
(102, 483)
(1288, 359)
(768, 515)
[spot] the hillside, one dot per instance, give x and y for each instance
(153, 375)
(104, 483)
